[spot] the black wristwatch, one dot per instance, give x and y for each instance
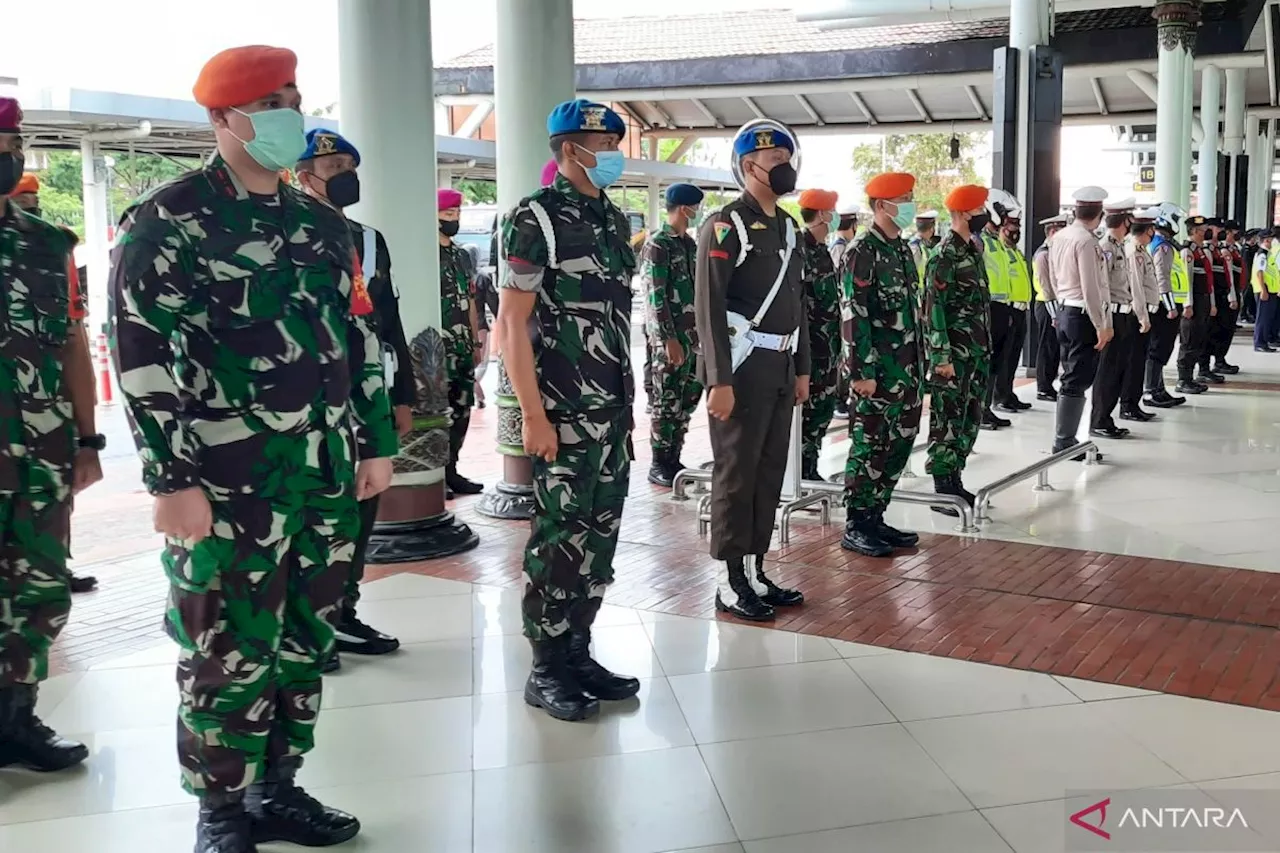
(97, 441)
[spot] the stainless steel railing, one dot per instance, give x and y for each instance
(1039, 469)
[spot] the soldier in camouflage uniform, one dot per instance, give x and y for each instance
(822, 303)
(667, 273)
(958, 333)
(254, 385)
(846, 230)
(461, 332)
(878, 306)
(46, 412)
(565, 326)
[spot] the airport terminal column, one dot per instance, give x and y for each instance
(1210, 98)
(384, 62)
(533, 71)
(1176, 35)
(1253, 150)
(1236, 189)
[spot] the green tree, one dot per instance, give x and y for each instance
(928, 157)
(478, 192)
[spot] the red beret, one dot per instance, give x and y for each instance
(28, 183)
(966, 197)
(242, 75)
(447, 198)
(10, 115)
(818, 200)
(890, 185)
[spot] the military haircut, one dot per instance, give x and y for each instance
(557, 143)
(1089, 211)
(809, 215)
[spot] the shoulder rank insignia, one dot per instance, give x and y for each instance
(722, 230)
(361, 304)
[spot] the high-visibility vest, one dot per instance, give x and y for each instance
(1035, 281)
(926, 253)
(996, 261)
(1019, 278)
(1271, 274)
(1179, 281)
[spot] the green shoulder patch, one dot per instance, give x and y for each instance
(722, 230)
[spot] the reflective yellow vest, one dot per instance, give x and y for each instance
(926, 253)
(1035, 281)
(1271, 275)
(1179, 281)
(1019, 278)
(996, 261)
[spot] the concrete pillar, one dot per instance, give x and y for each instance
(1188, 122)
(1233, 139)
(1029, 25)
(1210, 96)
(1267, 211)
(96, 178)
(384, 59)
(533, 71)
(1176, 36)
(1253, 151)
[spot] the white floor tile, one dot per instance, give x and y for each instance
(53, 691)
(1266, 820)
(413, 673)
(410, 585)
(430, 813)
(860, 650)
(775, 700)
(963, 832)
(1096, 691)
(382, 742)
(158, 829)
(163, 653)
(112, 699)
(635, 803)
(502, 661)
(719, 848)
(1037, 754)
(509, 732)
(827, 780)
(1201, 740)
(497, 611)
(703, 645)
(420, 620)
(919, 687)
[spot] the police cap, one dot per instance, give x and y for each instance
(1089, 195)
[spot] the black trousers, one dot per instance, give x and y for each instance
(1164, 334)
(1113, 363)
(1012, 355)
(1048, 350)
(1221, 329)
(1001, 329)
(368, 516)
(1193, 338)
(1078, 338)
(1135, 372)
(750, 455)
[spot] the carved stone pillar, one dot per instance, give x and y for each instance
(1176, 33)
(513, 497)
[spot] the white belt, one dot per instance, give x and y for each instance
(999, 297)
(1021, 306)
(1122, 307)
(1074, 303)
(777, 343)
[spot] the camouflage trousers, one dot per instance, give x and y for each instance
(820, 408)
(34, 597)
(461, 370)
(883, 428)
(578, 502)
(251, 608)
(955, 413)
(676, 395)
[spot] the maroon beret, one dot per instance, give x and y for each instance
(10, 116)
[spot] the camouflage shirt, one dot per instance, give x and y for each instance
(40, 312)
(243, 343)
(878, 308)
(822, 304)
(582, 321)
(667, 272)
(956, 296)
(456, 291)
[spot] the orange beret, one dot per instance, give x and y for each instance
(890, 185)
(818, 200)
(966, 197)
(242, 75)
(28, 183)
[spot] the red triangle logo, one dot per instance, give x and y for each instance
(1096, 829)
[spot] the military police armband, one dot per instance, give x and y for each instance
(361, 304)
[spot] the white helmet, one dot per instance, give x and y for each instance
(1002, 205)
(1169, 215)
(755, 126)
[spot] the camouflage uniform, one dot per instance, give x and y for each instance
(39, 445)
(667, 272)
(456, 291)
(822, 303)
(878, 308)
(582, 350)
(251, 371)
(958, 332)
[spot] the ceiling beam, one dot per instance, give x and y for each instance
(914, 96)
(863, 108)
(750, 102)
(630, 109)
(808, 107)
(661, 113)
(978, 106)
(706, 111)
(682, 148)
(1096, 83)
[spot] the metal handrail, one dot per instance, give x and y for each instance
(686, 476)
(982, 500)
(955, 502)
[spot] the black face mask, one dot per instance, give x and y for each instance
(343, 189)
(449, 227)
(11, 165)
(782, 179)
(979, 222)
(1014, 235)
(35, 211)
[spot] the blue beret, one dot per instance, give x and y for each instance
(686, 194)
(322, 142)
(583, 116)
(760, 138)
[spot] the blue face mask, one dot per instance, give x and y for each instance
(607, 170)
(279, 137)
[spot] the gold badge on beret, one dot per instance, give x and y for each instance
(326, 144)
(593, 118)
(764, 139)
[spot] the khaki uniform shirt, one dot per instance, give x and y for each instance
(1077, 267)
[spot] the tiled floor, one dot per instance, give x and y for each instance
(948, 699)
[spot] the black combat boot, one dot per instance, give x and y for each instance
(332, 663)
(82, 583)
(861, 535)
(735, 594)
(594, 678)
(809, 470)
(893, 536)
(459, 484)
(1206, 376)
(768, 591)
(1067, 425)
(992, 421)
(663, 469)
(358, 638)
(1221, 366)
(553, 687)
(280, 810)
(224, 826)
(27, 742)
(944, 484)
